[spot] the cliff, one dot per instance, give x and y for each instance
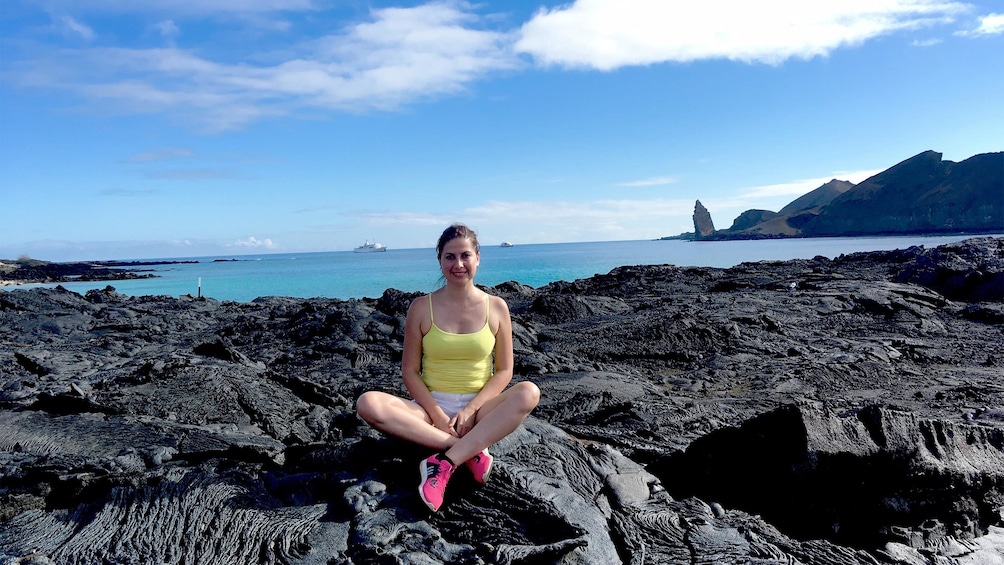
(703, 226)
(921, 195)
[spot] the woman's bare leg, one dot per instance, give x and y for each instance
(403, 419)
(496, 419)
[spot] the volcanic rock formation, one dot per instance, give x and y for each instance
(921, 195)
(703, 226)
(811, 411)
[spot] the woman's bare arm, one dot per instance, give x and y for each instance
(411, 364)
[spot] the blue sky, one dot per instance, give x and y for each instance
(181, 128)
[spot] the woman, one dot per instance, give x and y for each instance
(456, 364)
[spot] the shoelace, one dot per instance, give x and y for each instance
(437, 468)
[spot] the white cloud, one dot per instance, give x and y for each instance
(926, 42)
(549, 221)
(803, 186)
(129, 192)
(168, 29)
(991, 24)
(403, 218)
(164, 154)
(607, 34)
(192, 174)
(195, 7)
(254, 242)
(401, 55)
(71, 25)
(405, 53)
(654, 181)
(398, 56)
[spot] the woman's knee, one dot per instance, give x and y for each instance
(369, 406)
(528, 395)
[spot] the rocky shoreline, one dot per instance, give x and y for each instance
(26, 271)
(811, 411)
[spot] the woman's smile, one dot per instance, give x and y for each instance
(459, 259)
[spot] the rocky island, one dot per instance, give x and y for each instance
(27, 270)
(810, 411)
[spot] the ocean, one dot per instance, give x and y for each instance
(344, 274)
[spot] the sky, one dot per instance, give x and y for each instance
(187, 128)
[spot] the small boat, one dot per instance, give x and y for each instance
(506, 244)
(369, 248)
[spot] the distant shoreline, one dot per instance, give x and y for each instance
(178, 277)
(32, 271)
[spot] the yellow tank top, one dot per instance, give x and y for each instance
(457, 363)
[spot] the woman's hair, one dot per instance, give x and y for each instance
(453, 232)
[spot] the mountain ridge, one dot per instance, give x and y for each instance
(923, 194)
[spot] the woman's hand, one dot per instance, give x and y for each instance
(441, 422)
(465, 420)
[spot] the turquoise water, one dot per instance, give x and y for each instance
(345, 274)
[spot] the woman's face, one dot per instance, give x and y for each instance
(459, 260)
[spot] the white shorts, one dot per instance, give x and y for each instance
(451, 403)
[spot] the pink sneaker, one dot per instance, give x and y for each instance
(481, 466)
(436, 473)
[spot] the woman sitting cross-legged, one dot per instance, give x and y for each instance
(456, 364)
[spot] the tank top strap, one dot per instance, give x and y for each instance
(430, 310)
